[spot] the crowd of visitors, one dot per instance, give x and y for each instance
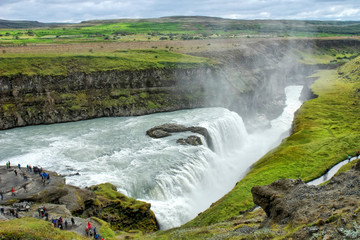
(43, 213)
(45, 177)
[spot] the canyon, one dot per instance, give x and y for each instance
(248, 79)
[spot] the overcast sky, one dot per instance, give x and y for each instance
(80, 10)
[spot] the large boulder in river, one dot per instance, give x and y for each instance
(168, 128)
(191, 140)
(158, 131)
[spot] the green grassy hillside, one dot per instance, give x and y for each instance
(33, 229)
(325, 132)
(63, 64)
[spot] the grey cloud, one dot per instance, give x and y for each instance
(78, 10)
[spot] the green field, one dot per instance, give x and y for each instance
(63, 64)
(173, 28)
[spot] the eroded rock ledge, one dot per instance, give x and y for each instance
(328, 208)
(166, 129)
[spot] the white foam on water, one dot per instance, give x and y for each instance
(179, 181)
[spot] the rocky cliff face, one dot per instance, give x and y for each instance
(29, 100)
(249, 80)
(330, 210)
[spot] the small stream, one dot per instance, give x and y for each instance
(329, 174)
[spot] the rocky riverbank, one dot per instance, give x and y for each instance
(61, 200)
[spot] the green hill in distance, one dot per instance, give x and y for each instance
(168, 28)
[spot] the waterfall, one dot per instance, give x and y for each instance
(179, 181)
(228, 132)
(204, 177)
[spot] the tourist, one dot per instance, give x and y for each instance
(1, 196)
(24, 176)
(72, 221)
(2, 211)
(96, 236)
(48, 178)
(94, 231)
(15, 172)
(41, 213)
(66, 224)
(12, 191)
(19, 166)
(12, 212)
(89, 225)
(61, 223)
(24, 187)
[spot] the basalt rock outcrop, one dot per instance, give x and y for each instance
(166, 129)
(327, 208)
(123, 213)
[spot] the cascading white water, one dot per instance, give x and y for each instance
(179, 181)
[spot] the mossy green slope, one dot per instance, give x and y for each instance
(123, 213)
(33, 229)
(325, 131)
(64, 64)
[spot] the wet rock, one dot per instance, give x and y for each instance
(191, 140)
(168, 128)
(158, 133)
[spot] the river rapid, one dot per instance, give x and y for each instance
(179, 181)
